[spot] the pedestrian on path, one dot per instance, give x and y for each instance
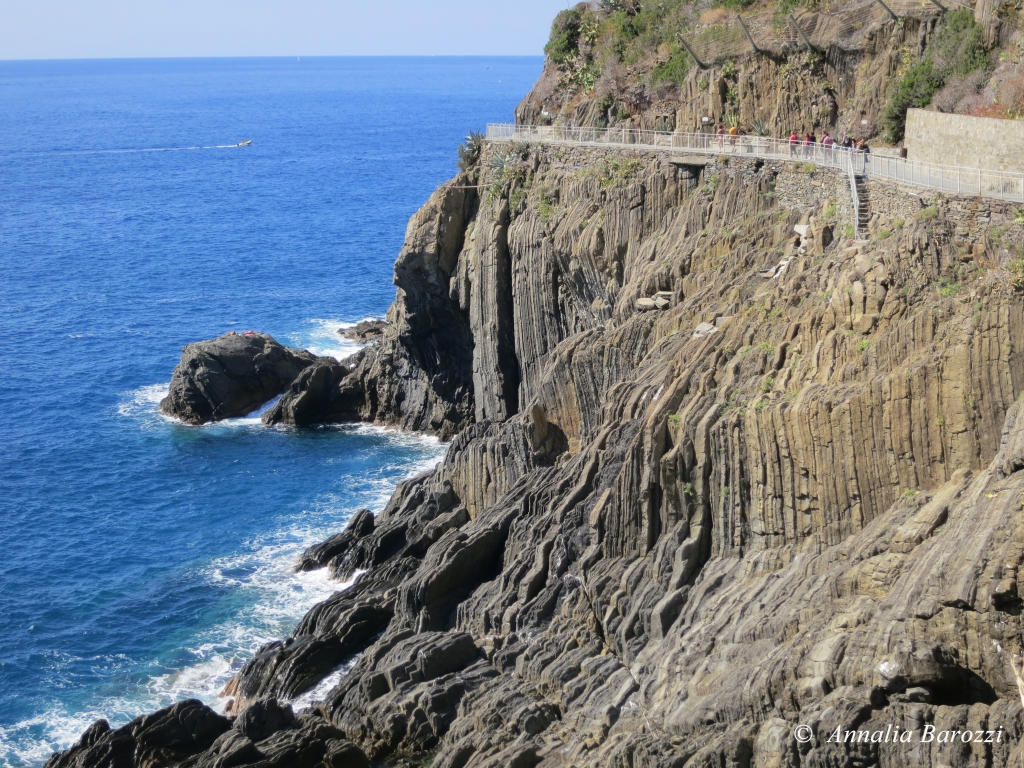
(826, 147)
(794, 142)
(809, 141)
(862, 151)
(720, 133)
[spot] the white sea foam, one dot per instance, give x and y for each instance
(317, 694)
(143, 405)
(260, 580)
(144, 402)
(30, 742)
(322, 338)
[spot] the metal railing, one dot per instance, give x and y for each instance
(954, 179)
(1004, 185)
(698, 143)
(855, 194)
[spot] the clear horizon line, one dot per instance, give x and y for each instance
(289, 56)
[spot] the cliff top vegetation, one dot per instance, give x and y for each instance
(632, 62)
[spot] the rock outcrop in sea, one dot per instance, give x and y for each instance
(231, 376)
(716, 472)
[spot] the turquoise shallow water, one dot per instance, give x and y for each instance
(142, 561)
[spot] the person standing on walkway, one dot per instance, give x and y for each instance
(734, 131)
(847, 142)
(720, 133)
(862, 150)
(826, 147)
(808, 145)
(794, 142)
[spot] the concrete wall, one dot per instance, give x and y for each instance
(973, 142)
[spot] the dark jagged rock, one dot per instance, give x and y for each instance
(319, 555)
(677, 550)
(231, 376)
(275, 739)
(344, 754)
(320, 395)
(151, 741)
(263, 718)
(365, 332)
(420, 375)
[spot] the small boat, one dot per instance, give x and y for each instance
(244, 143)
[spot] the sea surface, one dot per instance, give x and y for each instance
(143, 561)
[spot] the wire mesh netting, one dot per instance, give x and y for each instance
(845, 25)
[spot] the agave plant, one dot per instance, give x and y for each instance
(760, 128)
(731, 120)
(469, 152)
(500, 162)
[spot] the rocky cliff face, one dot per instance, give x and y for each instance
(790, 495)
(716, 472)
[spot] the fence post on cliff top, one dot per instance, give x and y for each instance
(746, 31)
(888, 10)
(689, 50)
(807, 42)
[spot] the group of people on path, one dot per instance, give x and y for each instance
(808, 147)
(809, 144)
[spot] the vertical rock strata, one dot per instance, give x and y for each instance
(710, 480)
(653, 545)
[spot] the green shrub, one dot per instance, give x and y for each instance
(1017, 274)
(674, 70)
(958, 48)
(565, 37)
(546, 207)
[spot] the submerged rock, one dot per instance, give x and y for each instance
(231, 376)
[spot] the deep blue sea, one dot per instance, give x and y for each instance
(143, 561)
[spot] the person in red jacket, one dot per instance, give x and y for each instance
(794, 142)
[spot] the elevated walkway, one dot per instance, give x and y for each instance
(949, 179)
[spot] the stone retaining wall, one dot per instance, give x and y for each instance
(948, 139)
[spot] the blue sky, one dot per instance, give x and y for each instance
(68, 29)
